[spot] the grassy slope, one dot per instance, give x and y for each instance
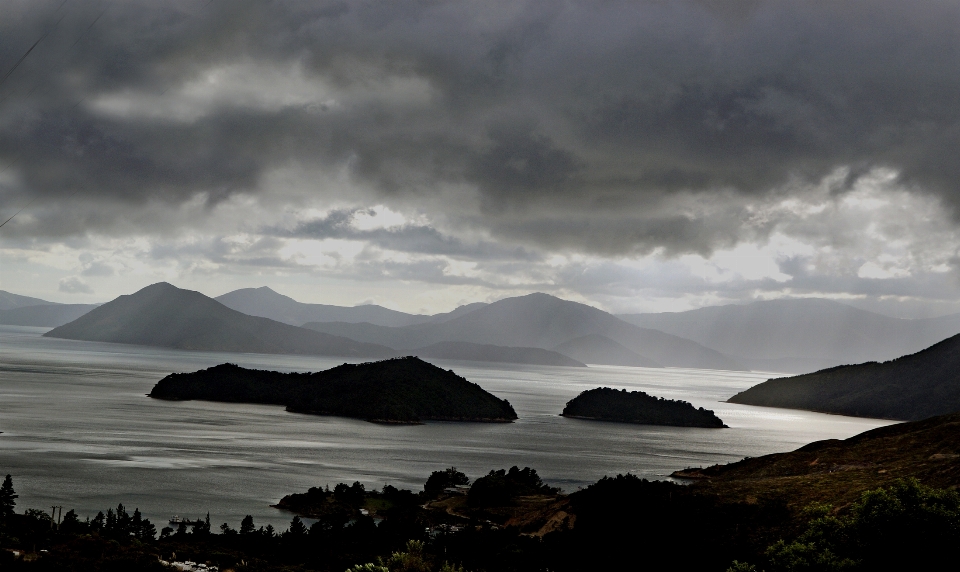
(837, 471)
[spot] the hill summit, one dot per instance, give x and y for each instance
(167, 316)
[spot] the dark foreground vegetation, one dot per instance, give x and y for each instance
(608, 404)
(400, 390)
(911, 387)
(884, 499)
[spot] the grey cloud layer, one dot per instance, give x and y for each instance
(607, 127)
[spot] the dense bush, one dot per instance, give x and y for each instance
(500, 488)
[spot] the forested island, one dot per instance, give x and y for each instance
(607, 404)
(400, 390)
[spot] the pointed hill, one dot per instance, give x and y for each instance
(911, 387)
(167, 316)
(540, 321)
(800, 335)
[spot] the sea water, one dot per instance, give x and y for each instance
(79, 431)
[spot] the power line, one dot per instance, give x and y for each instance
(19, 211)
(24, 56)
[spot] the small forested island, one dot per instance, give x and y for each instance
(607, 404)
(403, 390)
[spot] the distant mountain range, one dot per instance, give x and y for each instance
(17, 310)
(164, 315)
(502, 354)
(911, 387)
(44, 315)
(266, 303)
(9, 301)
(800, 335)
(540, 321)
(795, 336)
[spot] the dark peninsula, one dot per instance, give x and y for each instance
(911, 387)
(400, 390)
(607, 404)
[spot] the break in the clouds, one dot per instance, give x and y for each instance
(641, 155)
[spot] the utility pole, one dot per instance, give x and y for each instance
(54, 519)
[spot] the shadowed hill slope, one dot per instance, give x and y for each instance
(597, 349)
(492, 353)
(164, 315)
(540, 321)
(837, 471)
(400, 390)
(266, 303)
(911, 387)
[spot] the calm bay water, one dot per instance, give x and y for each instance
(78, 431)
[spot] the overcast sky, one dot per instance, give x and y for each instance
(637, 155)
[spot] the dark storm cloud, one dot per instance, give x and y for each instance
(411, 238)
(588, 126)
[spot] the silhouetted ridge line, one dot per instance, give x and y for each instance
(910, 387)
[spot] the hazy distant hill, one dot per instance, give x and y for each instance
(9, 301)
(402, 390)
(541, 321)
(45, 315)
(912, 387)
(801, 335)
(488, 352)
(597, 349)
(266, 303)
(164, 315)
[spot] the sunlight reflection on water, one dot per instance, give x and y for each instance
(79, 431)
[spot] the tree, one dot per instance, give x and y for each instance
(297, 528)
(98, 522)
(440, 480)
(246, 525)
(907, 526)
(7, 497)
(202, 528)
(71, 523)
(500, 488)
